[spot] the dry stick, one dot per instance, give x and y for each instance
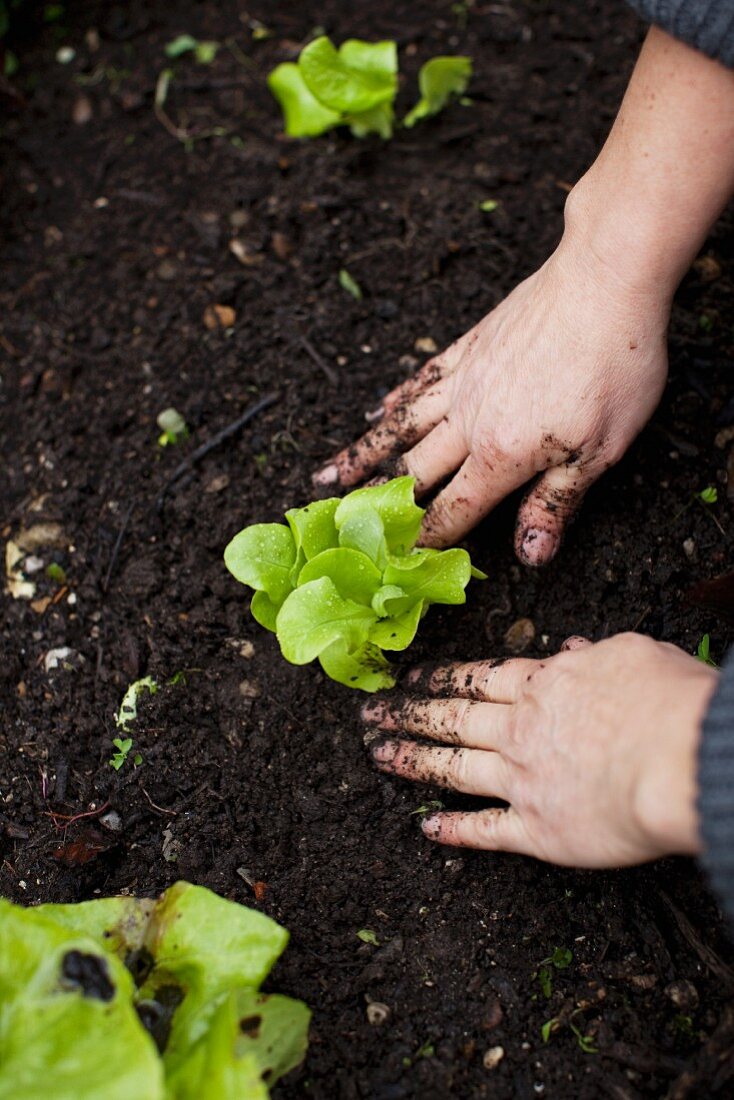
(116, 549)
(706, 954)
(215, 441)
(320, 363)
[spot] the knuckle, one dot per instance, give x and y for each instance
(457, 713)
(457, 771)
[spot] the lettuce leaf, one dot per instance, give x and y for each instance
(353, 580)
(90, 993)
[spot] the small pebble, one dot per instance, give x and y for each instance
(520, 635)
(247, 650)
(112, 820)
(426, 345)
(493, 1057)
(167, 271)
(683, 994)
(689, 549)
(250, 689)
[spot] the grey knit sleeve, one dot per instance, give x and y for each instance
(708, 25)
(716, 788)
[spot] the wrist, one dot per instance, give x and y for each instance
(622, 243)
(665, 805)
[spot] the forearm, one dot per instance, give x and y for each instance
(666, 170)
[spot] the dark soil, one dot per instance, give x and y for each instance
(116, 240)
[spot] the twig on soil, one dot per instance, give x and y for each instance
(67, 820)
(706, 954)
(116, 548)
(321, 363)
(156, 807)
(215, 441)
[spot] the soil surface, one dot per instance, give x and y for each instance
(117, 224)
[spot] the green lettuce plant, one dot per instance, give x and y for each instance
(156, 1000)
(356, 86)
(344, 581)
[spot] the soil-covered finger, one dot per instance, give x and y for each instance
(498, 681)
(455, 721)
(470, 771)
(488, 830)
(387, 440)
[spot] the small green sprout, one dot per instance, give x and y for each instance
(703, 651)
(350, 284)
(366, 935)
(428, 808)
(204, 52)
(709, 495)
(123, 747)
(427, 1050)
(548, 1028)
(260, 33)
(705, 322)
(585, 1042)
(174, 428)
(56, 573)
(488, 206)
(560, 959)
(356, 86)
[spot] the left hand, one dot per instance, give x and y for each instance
(594, 749)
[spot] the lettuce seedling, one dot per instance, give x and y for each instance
(439, 80)
(356, 86)
(152, 999)
(344, 580)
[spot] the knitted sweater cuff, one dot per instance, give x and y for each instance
(707, 25)
(716, 788)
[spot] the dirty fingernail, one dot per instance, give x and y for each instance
(430, 825)
(414, 675)
(538, 547)
(385, 751)
(372, 711)
(375, 414)
(328, 476)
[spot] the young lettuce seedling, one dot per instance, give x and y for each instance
(344, 580)
(356, 86)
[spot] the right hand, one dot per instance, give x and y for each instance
(556, 381)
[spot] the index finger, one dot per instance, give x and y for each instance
(497, 681)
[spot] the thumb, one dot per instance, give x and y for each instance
(547, 509)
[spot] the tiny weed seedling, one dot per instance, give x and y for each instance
(174, 428)
(350, 284)
(428, 808)
(123, 746)
(703, 652)
(709, 495)
(561, 959)
(344, 582)
(366, 935)
(356, 86)
(204, 52)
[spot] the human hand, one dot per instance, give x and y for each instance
(557, 381)
(594, 749)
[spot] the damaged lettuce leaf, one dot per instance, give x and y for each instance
(344, 581)
(156, 1000)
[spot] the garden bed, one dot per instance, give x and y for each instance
(254, 779)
